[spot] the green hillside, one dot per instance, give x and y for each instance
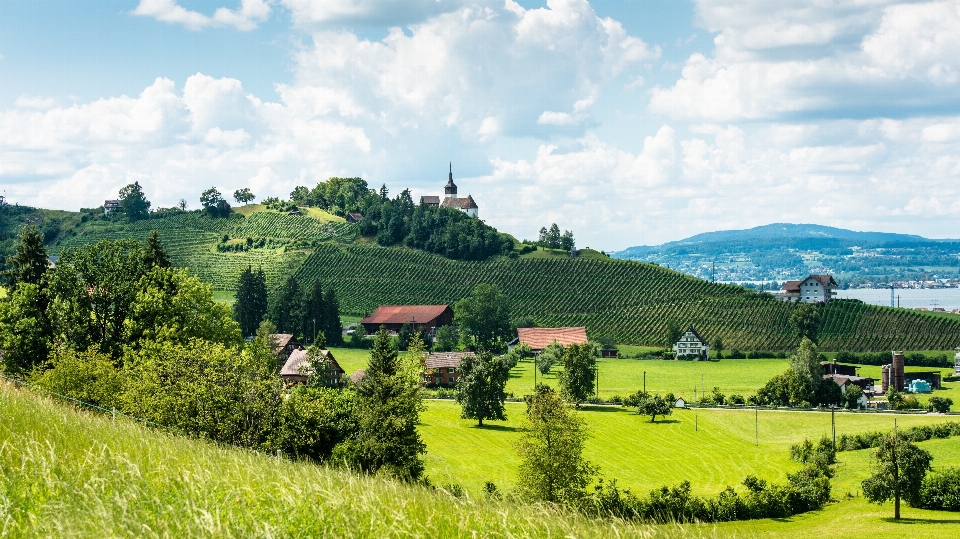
(632, 301)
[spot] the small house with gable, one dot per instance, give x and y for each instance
(442, 369)
(691, 343)
(813, 289)
(297, 368)
(283, 345)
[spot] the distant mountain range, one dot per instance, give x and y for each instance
(783, 251)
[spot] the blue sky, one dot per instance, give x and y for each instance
(629, 122)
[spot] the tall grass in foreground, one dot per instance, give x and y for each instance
(67, 473)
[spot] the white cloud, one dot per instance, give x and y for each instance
(781, 60)
(251, 13)
(388, 12)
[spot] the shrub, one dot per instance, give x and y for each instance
(939, 404)
(941, 490)
(736, 354)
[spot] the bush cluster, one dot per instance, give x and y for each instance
(806, 490)
(941, 490)
(883, 358)
(855, 442)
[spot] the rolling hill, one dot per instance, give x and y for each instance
(632, 301)
(783, 251)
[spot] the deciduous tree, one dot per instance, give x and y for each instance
(898, 471)
(244, 196)
(484, 317)
(552, 466)
(134, 203)
(480, 388)
(579, 372)
(804, 319)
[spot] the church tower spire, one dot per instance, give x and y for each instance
(450, 190)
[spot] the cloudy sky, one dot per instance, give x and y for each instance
(627, 121)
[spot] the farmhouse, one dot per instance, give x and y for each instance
(538, 338)
(354, 217)
(297, 369)
(428, 317)
(813, 289)
(442, 369)
(691, 343)
(283, 345)
(430, 200)
(111, 205)
(846, 374)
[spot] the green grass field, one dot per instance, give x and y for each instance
(67, 473)
(711, 448)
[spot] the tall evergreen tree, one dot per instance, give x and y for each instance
(29, 263)
(388, 411)
(154, 255)
(332, 327)
(251, 304)
(286, 308)
(315, 313)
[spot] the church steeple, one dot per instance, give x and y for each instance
(450, 190)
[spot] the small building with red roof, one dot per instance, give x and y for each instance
(538, 338)
(428, 317)
(813, 289)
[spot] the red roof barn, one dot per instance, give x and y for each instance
(418, 316)
(538, 338)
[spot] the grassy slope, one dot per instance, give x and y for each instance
(630, 300)
(70, 474)
(66, 473)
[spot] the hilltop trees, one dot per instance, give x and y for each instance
(134, 203)
(244, 196)
(214, 204)
(484, 317)
(480, 388)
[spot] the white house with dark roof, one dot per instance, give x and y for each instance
(691, 343)
(451, 200)
(813, 289)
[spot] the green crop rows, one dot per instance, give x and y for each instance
(294, 227)
(630, 300)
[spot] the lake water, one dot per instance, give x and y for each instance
(946, 298)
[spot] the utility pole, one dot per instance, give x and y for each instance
(896, 474)
(644, 381)
(314, 331)
(833, 423)
(756, 424)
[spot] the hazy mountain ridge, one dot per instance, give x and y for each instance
(782, 251)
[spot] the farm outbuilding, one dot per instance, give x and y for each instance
(297, 369)
(428, 317)
(539, 338)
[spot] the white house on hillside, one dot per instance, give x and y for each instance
(813, 289)
(691, 343)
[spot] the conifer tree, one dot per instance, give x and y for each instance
(286, 308)
(388, 410)
(154, 255)
(29, 263)
(315, 313)
(251, 304)
(332, 327)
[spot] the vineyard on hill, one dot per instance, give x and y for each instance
(631, 301)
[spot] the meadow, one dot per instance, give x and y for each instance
(70, 473)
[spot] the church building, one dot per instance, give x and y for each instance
(451, 200)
